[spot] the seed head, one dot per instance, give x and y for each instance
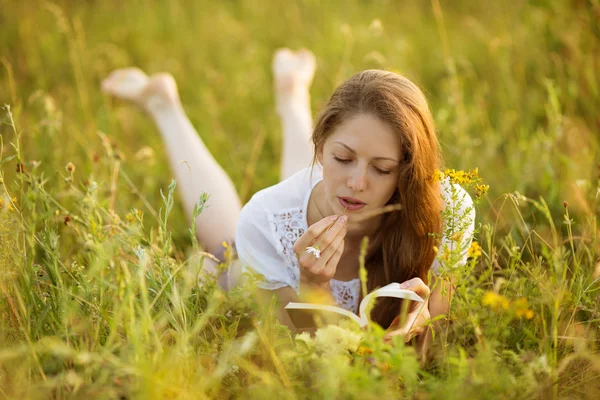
(70, 167)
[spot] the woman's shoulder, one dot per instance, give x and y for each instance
(268, 226)
(289, 193)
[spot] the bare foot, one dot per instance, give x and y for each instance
(293, 72)
(134, 85)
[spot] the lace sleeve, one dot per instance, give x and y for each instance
(257, 250)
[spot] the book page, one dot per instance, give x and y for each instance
(390, 290)
(305, 315)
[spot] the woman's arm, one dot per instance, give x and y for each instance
(439, 300)
(417, 321)
(439, 304)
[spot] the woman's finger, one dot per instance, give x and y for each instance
(418, 286)
(314, 231)
(332, 263)
(415, 324)
(329, 235)
(318, 267)
(331, 249)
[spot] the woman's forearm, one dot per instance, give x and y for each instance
(439, 300)
(439, 304)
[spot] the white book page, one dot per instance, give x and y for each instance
(311, 306)
(390, 290)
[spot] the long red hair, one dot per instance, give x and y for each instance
(406, 244)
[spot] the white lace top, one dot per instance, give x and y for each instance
(275, 217)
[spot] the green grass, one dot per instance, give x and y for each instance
(95, 298)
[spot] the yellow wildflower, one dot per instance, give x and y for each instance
(456, 236)
(362, 350)
(521, 308)
(134, 214)
(474, 250)
(224, 244)
(481, 190)
(445, 254)
(437, 175)
(496, 301)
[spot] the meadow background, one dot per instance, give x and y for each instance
(98, 294)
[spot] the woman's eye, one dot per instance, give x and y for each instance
(382, 172)
(343, 161)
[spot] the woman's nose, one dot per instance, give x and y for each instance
(358, 180)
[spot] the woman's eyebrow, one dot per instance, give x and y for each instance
(351, 150)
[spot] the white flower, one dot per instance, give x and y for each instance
(314, 251)
(336, 339)
(139, 251)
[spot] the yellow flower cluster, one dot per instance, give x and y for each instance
(9, 204)
(457, 236)
(474, 250)
(496, 301)
(520, 307)
(461, 177)
(363, 350)
(466, 178)
(134, 214)
(481, 190)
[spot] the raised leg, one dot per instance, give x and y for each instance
(194, 166)
(293, 73)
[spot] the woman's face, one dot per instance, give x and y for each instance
(360, 162)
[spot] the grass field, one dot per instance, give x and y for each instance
(98, 294)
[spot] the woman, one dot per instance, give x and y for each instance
(374, 145)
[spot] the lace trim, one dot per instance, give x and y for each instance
(287, 226)
(346, 293)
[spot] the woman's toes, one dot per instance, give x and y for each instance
(293, 70)
(161, 90)
(147, 92)
(306, 65)
(125, 83)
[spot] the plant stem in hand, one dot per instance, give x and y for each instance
(316, 246)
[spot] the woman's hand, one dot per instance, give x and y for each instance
(326, 237)
(418, 315)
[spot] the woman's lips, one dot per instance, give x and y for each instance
(350, 206)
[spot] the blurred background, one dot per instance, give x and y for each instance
(513, 85)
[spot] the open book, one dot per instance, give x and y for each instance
(303, 314)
